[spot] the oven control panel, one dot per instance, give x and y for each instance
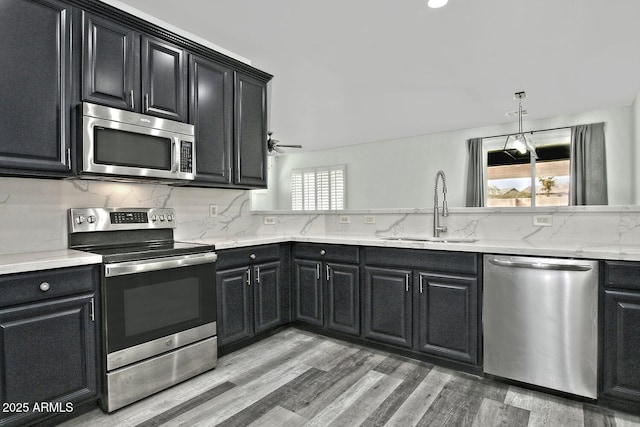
(110, 219)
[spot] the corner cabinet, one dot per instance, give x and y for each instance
(48, 343)
(621, 355)
(253, 291)
(128, 70)
(36, 87)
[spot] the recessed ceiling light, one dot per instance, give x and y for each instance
(434, 4)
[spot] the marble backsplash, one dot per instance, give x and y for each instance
(33, 217)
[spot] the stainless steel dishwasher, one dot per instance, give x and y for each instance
(540, 322)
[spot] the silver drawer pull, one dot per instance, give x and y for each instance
(323, 252)
(252, 256)
(44, 286)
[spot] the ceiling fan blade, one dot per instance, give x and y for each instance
(290, 146)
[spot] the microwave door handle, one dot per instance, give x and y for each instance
(143, 266)
(176, 156)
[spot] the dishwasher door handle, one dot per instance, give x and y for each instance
(539, 265)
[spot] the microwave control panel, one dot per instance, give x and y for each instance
(186, 156)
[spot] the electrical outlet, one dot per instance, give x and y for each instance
(213, 211)
(345, 219)
(269, 220)
(542, 220)
(369, 219)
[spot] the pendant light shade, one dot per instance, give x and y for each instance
(519, 141)
(434, 4)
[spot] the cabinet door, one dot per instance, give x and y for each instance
(343, 298)
(622, 345)
(235, 300)
(110, 70)
(250, 139)
(448, 317)
(267, 296)
(48, 354)
(308, 292)
(164, 79)
(35, 85)
(388, 306)
(211, 111)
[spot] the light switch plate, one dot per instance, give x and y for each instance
(542, 220)
(369, 219)
(269, 220)
(213, 210)
(345, 219)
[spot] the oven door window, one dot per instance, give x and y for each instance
(145, 306)
(122, 148)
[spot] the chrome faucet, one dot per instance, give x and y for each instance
(437, 228)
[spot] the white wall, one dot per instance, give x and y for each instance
(399, 173)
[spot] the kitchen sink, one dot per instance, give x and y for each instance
(432, 239)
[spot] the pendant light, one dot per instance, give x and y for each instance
(434, 4)
(519, 141)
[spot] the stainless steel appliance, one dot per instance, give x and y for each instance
(540, 321)
(158, 300)
(126, 145)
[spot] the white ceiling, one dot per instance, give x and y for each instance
(354, 71)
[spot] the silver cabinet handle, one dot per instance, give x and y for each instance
(323, 252)
(44, 286)
(406, 283)
(146, 102)
(421, 283)
(252, 256)
(249, 276)
(539, 265)
(132, 99)
(258, 275)
(328, 272)
(132, 267)
(318, 271)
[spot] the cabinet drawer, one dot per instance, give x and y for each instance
(339, 253)
(445, 261)
(40, 285)
(245, 256)
(625, 275)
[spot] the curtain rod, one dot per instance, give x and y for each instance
(529, 132)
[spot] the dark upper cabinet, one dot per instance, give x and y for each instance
(250, 133)
(127, 70)
(388, 306)
(211, 111)
(110, 65)
(447, 317)
(35, 87)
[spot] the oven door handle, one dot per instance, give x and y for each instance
(143, 266)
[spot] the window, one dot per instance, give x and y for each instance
(320, 188)
(514, 179)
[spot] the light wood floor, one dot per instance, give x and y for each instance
(297, 378)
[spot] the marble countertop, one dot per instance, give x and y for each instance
(23, 262)
(33, 261)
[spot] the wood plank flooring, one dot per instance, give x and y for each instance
(297, 378)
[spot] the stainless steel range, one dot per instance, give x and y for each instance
(158, 300)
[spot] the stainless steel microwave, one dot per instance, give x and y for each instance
(118, 144)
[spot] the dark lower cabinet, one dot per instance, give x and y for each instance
(388, 306)
(307, 289)
(252, 297)
(48, 346)
(447, 324)
(327, 286)
(343, 298)
(36, 88)
(622, 345)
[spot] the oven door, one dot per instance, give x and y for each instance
(154, 306)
